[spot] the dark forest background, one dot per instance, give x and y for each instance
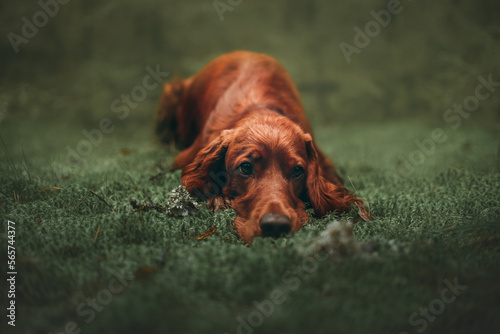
(424, 61)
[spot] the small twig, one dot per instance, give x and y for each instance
(97, 232)
(46, 190)
(158, 175)
(102, 199)
(430, 217)
(435, 191)
(16, 197)
(82, 201)
(123, 222)
(99, 197)
(146, 194)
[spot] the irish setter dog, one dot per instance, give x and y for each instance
(248, 145)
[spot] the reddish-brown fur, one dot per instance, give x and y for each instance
(244, 108)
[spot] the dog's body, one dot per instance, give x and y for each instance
(242, 116)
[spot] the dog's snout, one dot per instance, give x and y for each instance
(274, 225)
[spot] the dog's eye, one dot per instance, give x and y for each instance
(297, 172)
(245, 169)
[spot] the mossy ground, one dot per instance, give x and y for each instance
(440, 223)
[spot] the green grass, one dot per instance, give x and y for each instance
(440, 223)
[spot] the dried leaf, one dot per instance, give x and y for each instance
(207, 234)
(362, 211)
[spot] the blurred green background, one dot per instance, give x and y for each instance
(435, 219)
(90, 52)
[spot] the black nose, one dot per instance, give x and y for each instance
(274, 225)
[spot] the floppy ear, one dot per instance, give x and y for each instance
(206, 176)
(323, 194)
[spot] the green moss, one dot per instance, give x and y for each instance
(437, 224)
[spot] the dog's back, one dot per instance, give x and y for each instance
(220, 95)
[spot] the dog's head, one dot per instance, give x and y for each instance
(266, 168)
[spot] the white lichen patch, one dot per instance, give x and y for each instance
(180, 203)
(338, 240)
